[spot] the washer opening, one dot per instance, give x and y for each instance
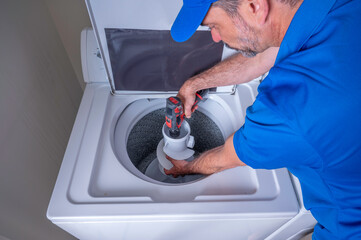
(144, 137)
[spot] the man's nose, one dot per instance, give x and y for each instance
(215, 35)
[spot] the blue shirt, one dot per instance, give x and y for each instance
(307, 115)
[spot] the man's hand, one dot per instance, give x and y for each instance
(234, 70)
(180, 167)
(212, 161)
(187, 94)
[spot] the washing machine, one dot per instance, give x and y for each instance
(104, 189)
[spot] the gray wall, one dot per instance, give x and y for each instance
(39, 97)
(70, 17)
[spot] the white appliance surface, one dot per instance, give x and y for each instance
(99, 194)
(94, 187)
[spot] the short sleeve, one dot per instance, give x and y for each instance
(266, 140)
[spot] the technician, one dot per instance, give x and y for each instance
(307, 115)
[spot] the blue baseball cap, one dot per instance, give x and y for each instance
(189, 18)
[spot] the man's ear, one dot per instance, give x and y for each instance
(256, 10)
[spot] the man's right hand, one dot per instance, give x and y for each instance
(187, 94)
(234, 70)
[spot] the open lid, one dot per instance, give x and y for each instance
(138, 51)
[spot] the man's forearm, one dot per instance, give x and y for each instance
(235, 70)
(207, 163)
(216, 160)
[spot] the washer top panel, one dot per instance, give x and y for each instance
(91, 177)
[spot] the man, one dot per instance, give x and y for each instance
(307, 115)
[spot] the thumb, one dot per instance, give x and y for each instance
(188, 105)
(187, 111)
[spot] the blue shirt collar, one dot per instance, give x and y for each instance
(306, 20)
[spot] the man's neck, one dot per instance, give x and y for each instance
(281, 16)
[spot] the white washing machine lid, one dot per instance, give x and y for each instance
(113, 18)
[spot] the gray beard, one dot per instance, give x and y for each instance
(245, 52)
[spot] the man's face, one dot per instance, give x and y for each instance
(234, 32)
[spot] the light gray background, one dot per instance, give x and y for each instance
(40, 91)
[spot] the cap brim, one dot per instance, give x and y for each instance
(187, 22)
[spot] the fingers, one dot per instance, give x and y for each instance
(173, 161)
(187, 96)
(194, 108)
(173, 170)
(170, 172)
(178, 169)
(187, 105)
